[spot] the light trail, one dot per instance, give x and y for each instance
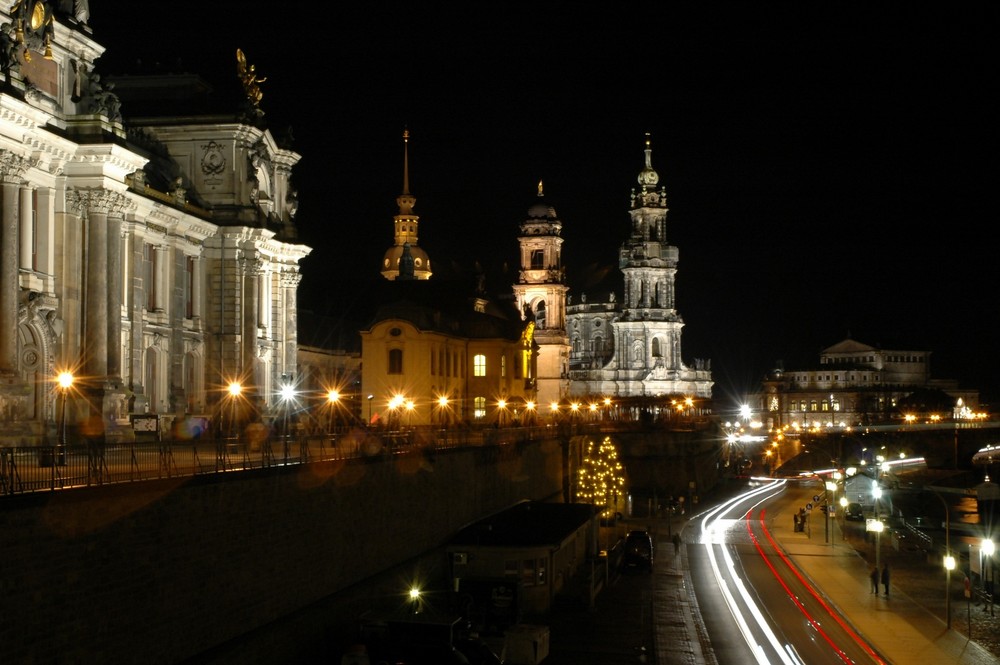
(712, 526)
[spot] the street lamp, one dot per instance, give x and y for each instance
(332, 398)
(988, 549)
(876, 495)
(831, 487)
(442, 410)
(409, 412)
(235, 390)
(370, 398)
(287, 395)
(65, 380)
(949, 565)
(501, 410)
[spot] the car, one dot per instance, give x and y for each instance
(638, 550)
(854, 512)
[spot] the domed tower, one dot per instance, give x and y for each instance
(406, 231)
(541, 296)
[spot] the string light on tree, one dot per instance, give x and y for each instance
(601, 478)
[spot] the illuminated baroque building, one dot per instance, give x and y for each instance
(154, 258)
(633, 347)
(856, 384)
(541, 295)
(436, 354)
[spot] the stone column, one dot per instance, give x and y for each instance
(114, 272)
(27, 239)
(12, 169)
(99, 335)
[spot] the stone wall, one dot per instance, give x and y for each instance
(158, 572)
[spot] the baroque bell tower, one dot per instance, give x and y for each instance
(541, 296)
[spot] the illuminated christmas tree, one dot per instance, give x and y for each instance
(602, 478)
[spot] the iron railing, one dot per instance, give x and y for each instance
(47, 468)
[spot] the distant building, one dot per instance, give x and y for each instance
(855, 384)
(632, 347)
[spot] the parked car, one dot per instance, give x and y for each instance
(854, 512)
(638, 550)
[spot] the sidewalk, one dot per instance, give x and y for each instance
(899, 628)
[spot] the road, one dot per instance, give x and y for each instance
(756, 604)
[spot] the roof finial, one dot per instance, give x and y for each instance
(541, 189)
(406, 161)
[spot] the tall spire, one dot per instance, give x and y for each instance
(406, 246)
(406, 161)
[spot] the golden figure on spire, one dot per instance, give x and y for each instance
(248, 76)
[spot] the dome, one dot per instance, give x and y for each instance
(541, 211)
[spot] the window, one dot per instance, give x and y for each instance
(511, 568)
(149, 278)
(813, 406)
(528, 572)
(656, 347)
(479, 365)
(503, 366)
(479, 408)
(395, 361)
(537, 259)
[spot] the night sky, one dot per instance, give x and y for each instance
(826, 168)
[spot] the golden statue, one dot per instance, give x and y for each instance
(248, 76)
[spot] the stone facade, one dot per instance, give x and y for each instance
(155, 260)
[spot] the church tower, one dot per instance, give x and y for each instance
(649, 331)
(541, 296)
(646, 326)
(406, 232)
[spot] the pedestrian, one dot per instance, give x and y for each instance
(885, 579)
(874, 577)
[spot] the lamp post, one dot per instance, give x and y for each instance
(287, 395)
(443, 411)
(949, 560)
(949, 565)
(370, 398)
(876, 495)
(235, 390)
(65, 380)
(831, 487)
(332, 398)
(988, 549)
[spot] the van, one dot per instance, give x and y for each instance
(854, 512)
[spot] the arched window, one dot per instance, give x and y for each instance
(479, 365)
(656, 347)
(479, 408)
